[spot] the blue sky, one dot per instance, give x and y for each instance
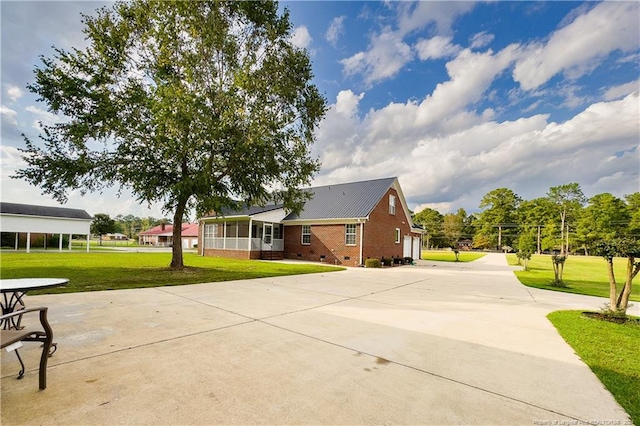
(454, 98)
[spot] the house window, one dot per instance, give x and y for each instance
(306, 234)
(397, 235)
(392, 204)
(350, 234)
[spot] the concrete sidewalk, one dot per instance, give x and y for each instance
(432, 344)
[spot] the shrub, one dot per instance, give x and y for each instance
(372, 263)
(408, 260)
(386, 262)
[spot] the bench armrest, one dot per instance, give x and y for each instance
(24, 311)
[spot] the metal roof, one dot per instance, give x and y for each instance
(244, 211)
(44, 211)
(342, 201)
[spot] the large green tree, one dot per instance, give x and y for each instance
(431, 220)
(500, 207)
(102, 224)
(193, 104)
(533, 216)
(568, 200)
(603, 219)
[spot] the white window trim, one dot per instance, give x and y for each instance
(398, 235)
(303, 234)
(347, 234)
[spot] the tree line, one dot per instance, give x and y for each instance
(562, 221)
(128, 225)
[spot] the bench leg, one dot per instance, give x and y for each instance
(43, 362)
(21, 373)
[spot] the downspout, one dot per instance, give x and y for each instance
(250, 236)
(361, 242)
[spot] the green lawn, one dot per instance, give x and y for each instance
(112, 271)
(582, 275)
(449, 256)
(610, 350)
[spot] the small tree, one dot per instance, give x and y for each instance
(558, 269)
(102, 224)
(524, 256)
(624, 247)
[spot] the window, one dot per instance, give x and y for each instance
(306, 234)
(350, 235)
(397, 235)
(392, 204)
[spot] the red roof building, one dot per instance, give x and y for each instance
(162, 236)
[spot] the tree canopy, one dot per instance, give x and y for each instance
(191, 104)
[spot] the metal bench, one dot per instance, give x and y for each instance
(45, 336)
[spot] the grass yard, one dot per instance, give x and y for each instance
(117, 270)
(582, 275)
(449, 256)
(610, 350)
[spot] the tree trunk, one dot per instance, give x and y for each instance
(563, 215)
(539, 248)
(623, 299)
(612, 285)
(176, 249)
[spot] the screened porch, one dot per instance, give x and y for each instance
(247, 235)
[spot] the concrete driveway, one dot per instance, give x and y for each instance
(438, 343)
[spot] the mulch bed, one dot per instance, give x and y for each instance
(609, 318)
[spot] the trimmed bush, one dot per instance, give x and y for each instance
(372, 263)
(386, 262)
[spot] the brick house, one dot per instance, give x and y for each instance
(342, 224)
(162, 235)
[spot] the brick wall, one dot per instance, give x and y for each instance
(326, 240)
(379, 231)
(329, 240)
(232, 254)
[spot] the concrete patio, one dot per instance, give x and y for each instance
(438, 343)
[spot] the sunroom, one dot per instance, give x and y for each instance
(248, 235)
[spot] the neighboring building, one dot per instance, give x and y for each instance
(465, 244)
(162, 235)
(30, 219)
(341, 224)
(115, 237)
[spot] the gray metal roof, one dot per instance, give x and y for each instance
(30, 210)
(245, 211)
(346, 200)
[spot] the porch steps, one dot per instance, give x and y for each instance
(271, 255)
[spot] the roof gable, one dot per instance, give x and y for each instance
(346, 200)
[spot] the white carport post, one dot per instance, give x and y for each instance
(60, 244)
(88, 238)
(17, 239)
(70, 235)
(28, 242)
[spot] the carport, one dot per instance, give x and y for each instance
(30, 219)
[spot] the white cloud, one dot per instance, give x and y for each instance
(617, 92)
(43, 116)
(455, 168)
(347, 102)
(414, 16)
(335, 30)
(386, 56)
(435, 48)
(580, 46)
(388, 52)
(14, 92)
(301, 38)
(480, 39)
(9, 116)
